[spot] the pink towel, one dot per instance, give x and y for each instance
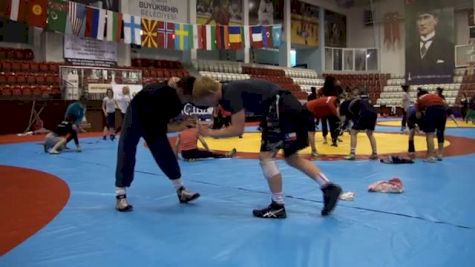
(392, 186)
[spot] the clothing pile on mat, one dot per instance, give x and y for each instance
(396, 160)
(392, 186)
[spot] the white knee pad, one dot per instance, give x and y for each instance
(269, 168)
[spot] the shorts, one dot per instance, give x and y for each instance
(110, 120)
(434, 118)
(51, 140)
(286, 129)
(366, 120)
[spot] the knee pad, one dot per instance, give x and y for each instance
(269, 168)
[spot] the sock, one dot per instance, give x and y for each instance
(322, 179)
(278, 198)
(412, 148)
(177, 183)
(120, 191)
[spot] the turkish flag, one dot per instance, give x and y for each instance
(37, 13)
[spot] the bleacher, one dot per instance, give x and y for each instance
(156, 70)
(392, 93)
(373, 83)
(298, 81)
(21, 77)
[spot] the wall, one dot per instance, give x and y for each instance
(310, 56)
(392, 59)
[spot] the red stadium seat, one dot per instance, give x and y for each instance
(54, 68)
(3, 79)
(25, 67)
(34, 67)
(11, 79)
(21, 79)
(44, 67)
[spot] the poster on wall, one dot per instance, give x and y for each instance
(305, 21)
(168, 10)
(335, 29)
(465, 55)
(113, 5)
(266, 12)
(221, 12)
(89, 52)
(429, 43)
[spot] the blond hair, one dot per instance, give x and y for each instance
(204, 87)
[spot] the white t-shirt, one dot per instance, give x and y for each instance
(110, 104)
(123, 102)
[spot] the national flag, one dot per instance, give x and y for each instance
(201, 32)
(15, 9)
(256, 36)
(132, 29)
(13, 32)
(95, 23)
(149, 33)
(195, 36)
(76, 23)
(210, 37)
(222, 37)
(57, 15)
(183, 36)
(267, 36)
(277, 35)
(36, 13)
(113, 26)
(166, 34)
(235, 37)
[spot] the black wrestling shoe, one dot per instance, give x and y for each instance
(331, 192)
(122, 204)
(185, 196)
(273, 211)
(112, 137)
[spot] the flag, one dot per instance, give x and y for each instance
(57, 15)
(277, 35)
(13, 32)
(166, 34)
(235, 37)
(222, 37)
(114, 26)
(132, 29)
(210, 37)
(149, 33)
(95, 23)
(15, 10)
(183, 36)
(256, 36)
(201, 31)
(267, 36)
(36, 13)
(76, 19)
(195, 36)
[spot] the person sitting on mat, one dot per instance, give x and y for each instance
(151, 114)
(363, 116)
(283, 127)
(434, 109)
(187, 143)
(57, 139)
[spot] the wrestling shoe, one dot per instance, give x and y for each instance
(430, 160)
(273, 211)
(53, 151)
(45, 149)
(122, 204)
(185, 196)
(112, 137)
(314, 154)
(331, 192)
(350, 157)
(440, 157)
(373, 156)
